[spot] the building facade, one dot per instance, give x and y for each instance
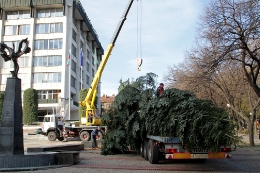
(106, 102)
(65, 52)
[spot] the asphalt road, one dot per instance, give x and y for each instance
(244, 159)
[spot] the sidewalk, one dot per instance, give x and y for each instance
(245, 138)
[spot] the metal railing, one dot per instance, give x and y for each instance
(46, 101)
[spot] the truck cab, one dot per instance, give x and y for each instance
(52, 127)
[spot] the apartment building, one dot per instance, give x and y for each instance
(60, 35)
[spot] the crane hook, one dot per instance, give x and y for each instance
(139, 62)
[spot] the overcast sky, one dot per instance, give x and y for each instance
(166, 29)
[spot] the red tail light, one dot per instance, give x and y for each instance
(172, 150)
(226, 149)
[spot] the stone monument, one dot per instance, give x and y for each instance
(11, 127)
(12, 156)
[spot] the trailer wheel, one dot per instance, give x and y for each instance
(84, 136)
(145, 149)
(52, 136)
(153, 152)
(142, 149)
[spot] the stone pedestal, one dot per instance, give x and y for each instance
(11, 129)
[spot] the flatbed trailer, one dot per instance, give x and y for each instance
(83, 132)
(155, 148)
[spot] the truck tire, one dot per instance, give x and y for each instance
(153, 152)
(84, 136)
(52, 136)
(145, 149)
(142, 149)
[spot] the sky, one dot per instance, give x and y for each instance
(157, 31)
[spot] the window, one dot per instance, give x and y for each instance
(74, 21)
(47, 119)
(48, 44)
(73, 50)
(96, 65)
(40, 13)
(80, 86)
(41, 44)
(88, 54)
(93, 72)
(48, 94)
(22, 61)
(73, 82)
(74, 35)
(46, 77)
(54, 60)
(24, 77)
(73, 65)
(42, 28)
(24, 29)
(4, 78)
(81, 45)
(25, 14)
(16, 43)
(45, 28)
(88, 67)
(52, 12)
(21, 14)
(87, 79)
(93, 60)
(11, 30)
(58, 28)
(7, 64)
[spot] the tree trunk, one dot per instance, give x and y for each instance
(250, 126)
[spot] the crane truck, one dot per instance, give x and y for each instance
(83, 129)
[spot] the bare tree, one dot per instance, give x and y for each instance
(228, 44)
(232, 28)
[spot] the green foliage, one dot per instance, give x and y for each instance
(198, 123)
(136, 113)
(2, 94)
(82, 96)
(123, 116)
(30, 106)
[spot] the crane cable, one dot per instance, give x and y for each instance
(139, 60)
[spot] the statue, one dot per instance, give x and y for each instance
(12, 55)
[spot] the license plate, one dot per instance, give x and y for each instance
(199, 156)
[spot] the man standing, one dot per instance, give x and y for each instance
(94, 136)
(90, 116)
(159, 91)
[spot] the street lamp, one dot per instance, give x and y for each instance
(228, 105)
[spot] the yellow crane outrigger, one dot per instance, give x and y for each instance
(89, 101)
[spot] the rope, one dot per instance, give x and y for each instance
(139, 32)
